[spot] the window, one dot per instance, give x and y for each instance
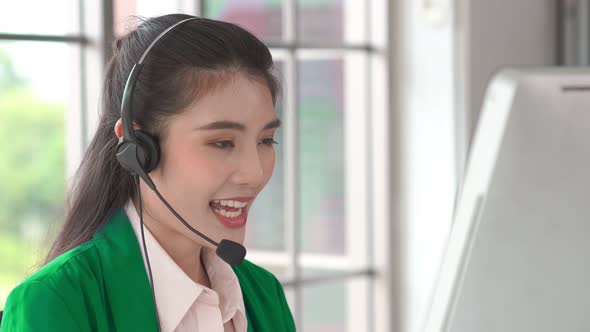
(312, 226)
(42, 102)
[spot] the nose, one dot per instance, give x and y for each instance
(249, 170)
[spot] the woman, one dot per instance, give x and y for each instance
(201, 100)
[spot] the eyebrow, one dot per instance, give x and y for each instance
(276, 123)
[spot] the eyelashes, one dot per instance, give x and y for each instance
(223, 145)
(269, 141)
(228, 144)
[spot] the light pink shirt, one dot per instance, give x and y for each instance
(185, 305)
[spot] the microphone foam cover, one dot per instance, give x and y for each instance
(231, 252)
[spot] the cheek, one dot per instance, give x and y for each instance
(268, 165)
(196, 169)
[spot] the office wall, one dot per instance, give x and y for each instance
(498, 33)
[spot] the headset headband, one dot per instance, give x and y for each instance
(127, 100)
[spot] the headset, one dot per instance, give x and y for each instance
(139, 153)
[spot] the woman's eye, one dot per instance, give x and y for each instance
(269, 141)
(224, 144)
(230, 144)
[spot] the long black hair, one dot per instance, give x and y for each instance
(191, 60)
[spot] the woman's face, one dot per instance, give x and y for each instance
(216, 157)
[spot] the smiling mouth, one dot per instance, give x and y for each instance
(230, 216)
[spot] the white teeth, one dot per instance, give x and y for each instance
(226, 202)
(228, 214)
(230, 203)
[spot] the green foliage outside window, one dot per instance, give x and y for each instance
(32, 175)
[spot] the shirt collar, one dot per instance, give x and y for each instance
(175, 292)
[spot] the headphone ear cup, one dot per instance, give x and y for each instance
(149, 154)
(127, 156)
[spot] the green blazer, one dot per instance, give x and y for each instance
(102, 285)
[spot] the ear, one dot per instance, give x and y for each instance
(119, 128)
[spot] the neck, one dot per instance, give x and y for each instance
(184, 252)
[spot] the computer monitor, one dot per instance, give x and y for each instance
(518, 254)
